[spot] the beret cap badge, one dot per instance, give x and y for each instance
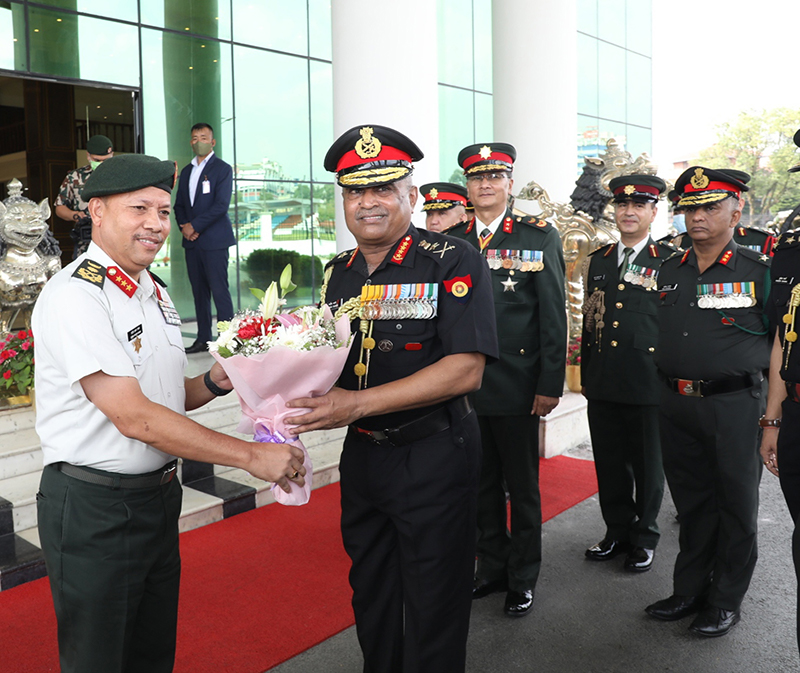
(699, 179)
(367, 147)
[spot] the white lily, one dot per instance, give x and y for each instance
(269, 306)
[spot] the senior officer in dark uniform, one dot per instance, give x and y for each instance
(713, 346)
(619, 376)
(111, 417)
(409, 469)
(527, 268)
(754, 238)
(444, 205)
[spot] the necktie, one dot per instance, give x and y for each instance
(626, 252)
(485, 237)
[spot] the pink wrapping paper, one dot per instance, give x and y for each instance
(265, 382)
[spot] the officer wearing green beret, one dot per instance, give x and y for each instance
(444, 205)
(526, 263)
(111, 418)
(619, 378)
(712, 349)
(70, 205)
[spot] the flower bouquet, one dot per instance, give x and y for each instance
(272, 357)
(16, 363)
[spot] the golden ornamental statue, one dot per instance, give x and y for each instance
(29, 256)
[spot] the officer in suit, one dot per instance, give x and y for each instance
(526, 263)
(444, 205)
(201, 210)
(713, 347)
(112, 419)
(619, 377)
(411, 458)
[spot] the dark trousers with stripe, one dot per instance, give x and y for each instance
(712, 465)
(789, 466)
(408, 525)
(510, 460)
(208, 276)
(630, 475)
(114, 568)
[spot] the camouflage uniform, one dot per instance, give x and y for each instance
(70, 196)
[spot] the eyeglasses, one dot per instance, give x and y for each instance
(491, 177)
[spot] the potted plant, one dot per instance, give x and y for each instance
(16, 368)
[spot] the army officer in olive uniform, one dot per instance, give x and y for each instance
(619, 377)
(527, 275)
(713, 346)
(411, 458)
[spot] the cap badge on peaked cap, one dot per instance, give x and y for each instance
(367, 146)
(699, 179)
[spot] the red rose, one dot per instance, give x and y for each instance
(6, 375)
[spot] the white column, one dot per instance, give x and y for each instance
(535, 102)
(385, 67)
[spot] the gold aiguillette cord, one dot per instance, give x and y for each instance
(790, 334)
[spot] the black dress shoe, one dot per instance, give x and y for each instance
(483, 587)
(714, 622)
(675, 607)
(639, 559)
(518, 603)
(197, 347)
(606, 549)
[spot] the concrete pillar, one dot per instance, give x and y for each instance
(385, 68)
(535, 101)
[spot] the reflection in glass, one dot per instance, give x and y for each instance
(272, 112)
(118, 9)
(456, 128)
(611, 67)
(455, 43)
(53, 43)
(12, 37)
(639, 140)
(275, 24)
(640, 26)
(588, 78)
(640, 95)
(321, 117)
(280, 223)
(319, 28)
(589, 144)
(201, 17)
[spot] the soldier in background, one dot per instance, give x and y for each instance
(69, 204)
(445, 205)
(619, 377)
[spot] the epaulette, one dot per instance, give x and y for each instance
(535, 222)
(456, 226)
(759, 230)
(755, 255)
(667, 246)
(788, 239)
(676, 254)
(341, 257)
(603, 248)
(91, 272)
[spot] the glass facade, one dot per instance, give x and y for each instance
(465, 80)
(246, 67)
(614, 75)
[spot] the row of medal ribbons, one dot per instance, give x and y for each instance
(641, 275)
(726, 295)
(520, 260)
(406, 301)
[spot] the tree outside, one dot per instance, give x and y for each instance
(761, 144)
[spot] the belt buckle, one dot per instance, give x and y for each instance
(376, 436)
(168, 474)
(689, 388)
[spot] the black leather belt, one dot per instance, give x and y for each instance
(436, 421)
(692, 388)
(793, 390)
(158, 478)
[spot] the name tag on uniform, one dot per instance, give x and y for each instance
(784, 280)
(602, 276)
(206, 186)
(170, 314)
(668, 288)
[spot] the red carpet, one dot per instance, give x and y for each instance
(257, 588)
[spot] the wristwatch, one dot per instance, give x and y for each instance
(765, 422)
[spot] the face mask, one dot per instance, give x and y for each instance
(95, 164)
(679, 222)
(201, 149)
